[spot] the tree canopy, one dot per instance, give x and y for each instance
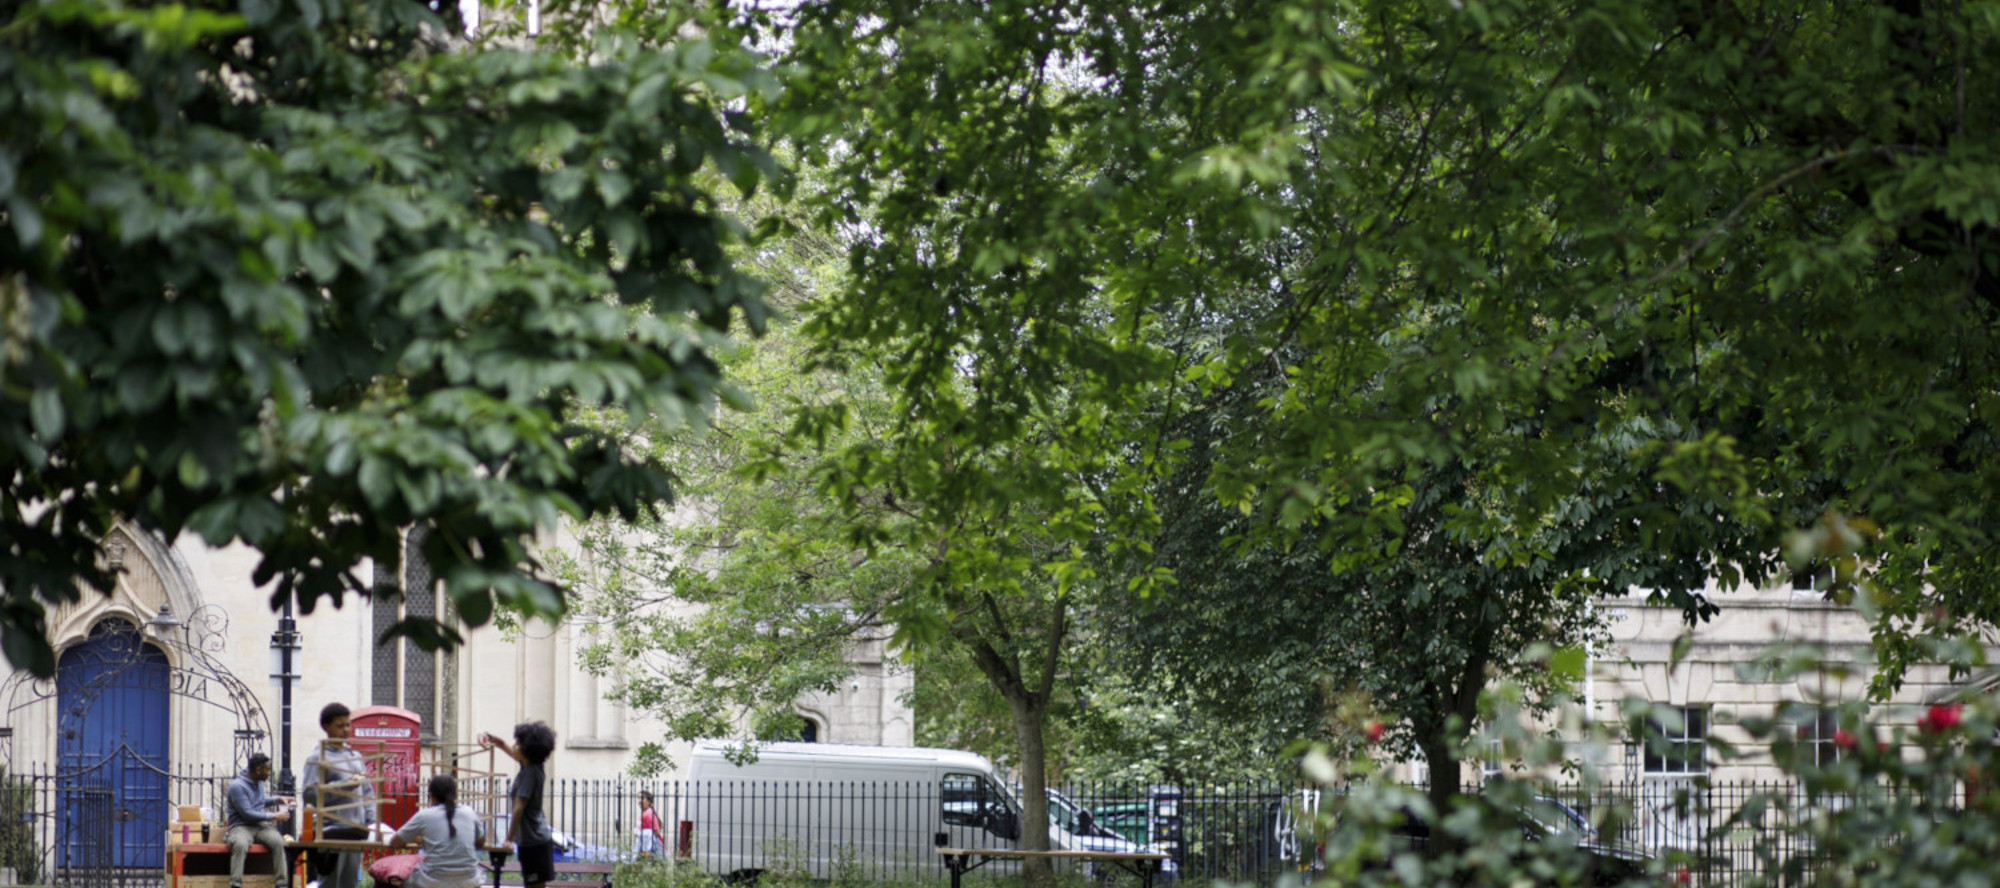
(301, 275)
(830, 518)
(1483, 304)
(1756, 238)
(1689, 284)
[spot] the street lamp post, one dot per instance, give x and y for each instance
(284, 663)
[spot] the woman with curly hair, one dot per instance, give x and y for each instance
(528, 834)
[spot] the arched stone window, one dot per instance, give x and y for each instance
(403, 674)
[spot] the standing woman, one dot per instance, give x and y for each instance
(652, 842)
(448, 835)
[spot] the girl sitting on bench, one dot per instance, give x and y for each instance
(448, 835)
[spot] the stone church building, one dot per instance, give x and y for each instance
(168, 683)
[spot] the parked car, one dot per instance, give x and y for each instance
(1556, 815)
(1074, 827)
(1127, 819)
(1154, 822)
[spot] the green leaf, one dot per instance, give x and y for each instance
(216, 522)
(613, 186)
(401, 212)
(317, 256)
(193, 474)
(564, 183)
(1567, 664)
(46, 410)
(1682, 645)
(27, 221)
(377, 480)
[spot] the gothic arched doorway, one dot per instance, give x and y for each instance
(127, 703)
(112, 693)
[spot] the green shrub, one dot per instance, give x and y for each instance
(17, 836)
(1888, 801)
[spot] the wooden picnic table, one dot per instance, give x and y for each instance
(1140, 863)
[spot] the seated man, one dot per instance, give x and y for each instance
(253, 819)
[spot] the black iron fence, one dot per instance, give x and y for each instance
(1693, 821)
(91, 825)
(855, 831)
(59, 829)
(1243, 834)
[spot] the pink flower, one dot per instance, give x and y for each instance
(1375, 731)
(1682, 876)
(1843, 739)
(1942, 718)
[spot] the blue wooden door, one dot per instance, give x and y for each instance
(112, 743)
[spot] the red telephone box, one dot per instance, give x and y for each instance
(392, 732)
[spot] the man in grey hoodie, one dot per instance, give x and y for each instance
(253, 819)
(338, 787)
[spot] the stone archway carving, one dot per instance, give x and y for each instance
(153, 611)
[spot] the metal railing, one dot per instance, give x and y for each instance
(67, 826)
(56, 830)
(1239, 834)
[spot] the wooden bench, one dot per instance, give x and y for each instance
(569, 874)
(206, 865)
(1140, 863)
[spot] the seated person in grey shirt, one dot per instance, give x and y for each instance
(448, 835)
(253, 819)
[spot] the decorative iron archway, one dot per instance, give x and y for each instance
(106, 823)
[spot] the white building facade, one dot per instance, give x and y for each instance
(169, 677)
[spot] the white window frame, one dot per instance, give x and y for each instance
(1689, 739)
(1816, 733)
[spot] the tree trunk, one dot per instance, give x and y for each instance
(1029, 702)
(1445, 784)
(1440, 744)
(1029, 715)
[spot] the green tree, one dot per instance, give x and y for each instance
(302, 274)
(1607, 219)
(1301, 638)
(816, 523)
(1671, 260)
(721, 615)
(834, 513)
(751, 595)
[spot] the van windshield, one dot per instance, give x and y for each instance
(969, 800)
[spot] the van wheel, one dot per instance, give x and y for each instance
(744, 877)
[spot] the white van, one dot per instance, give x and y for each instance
(832, 810)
